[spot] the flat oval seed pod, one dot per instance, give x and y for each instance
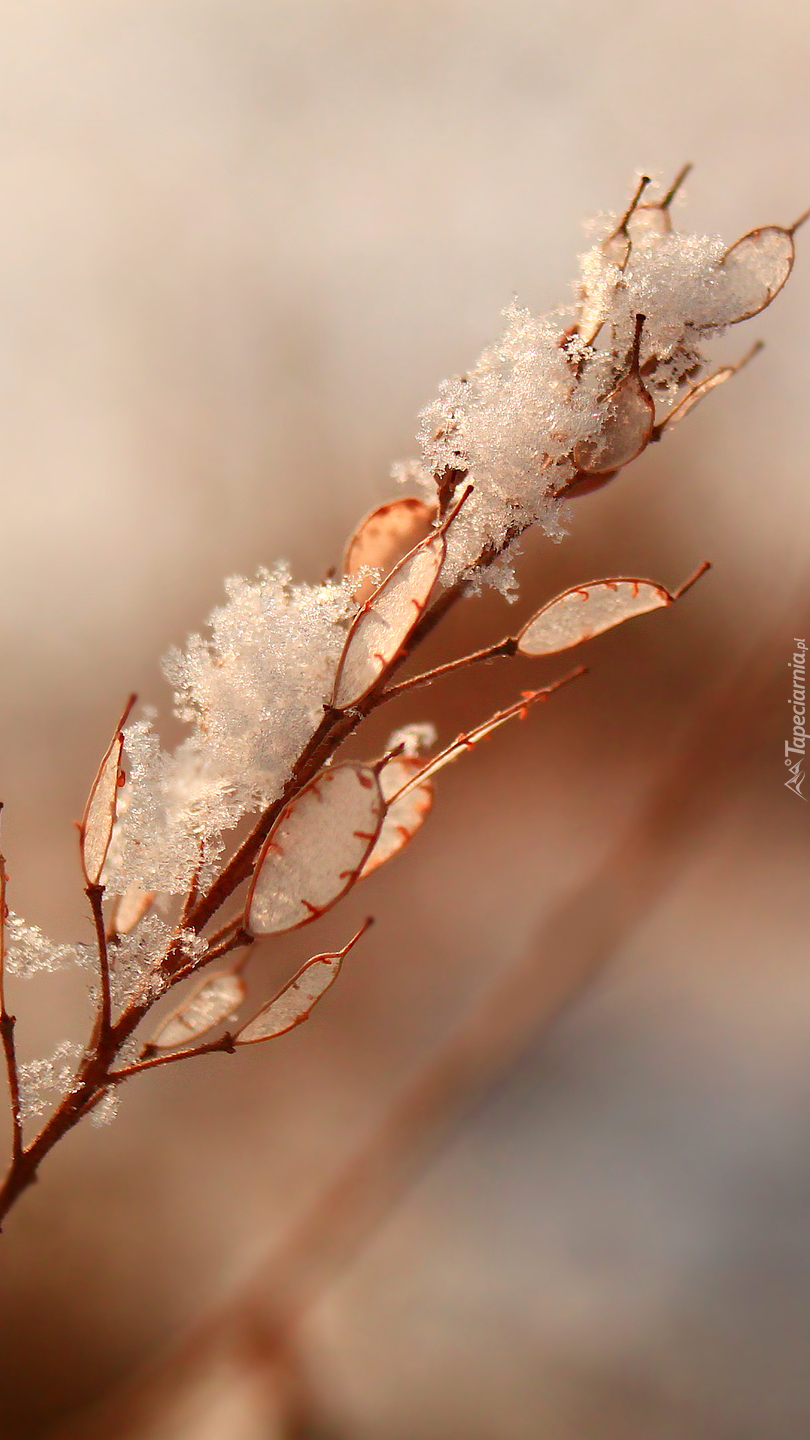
(95, 831)
(464, 743)
(130, 908)
(403, 813)
(316, 849)
(384, 623)
(629, 417)
(757, 266)
(209, 1003)
(294, 1003)
(588, 610)
(385, 536)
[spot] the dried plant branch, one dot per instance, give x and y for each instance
(542, 415)
(7, 1023)
(574, 943)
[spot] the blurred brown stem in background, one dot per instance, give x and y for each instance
(576, 940)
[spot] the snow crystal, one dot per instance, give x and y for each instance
(106, 1110)
(40, 1080)
(253, 694)
(135, 962)
(28, 951)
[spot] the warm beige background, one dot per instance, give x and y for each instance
(239, 245)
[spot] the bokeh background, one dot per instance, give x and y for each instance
(240, 244)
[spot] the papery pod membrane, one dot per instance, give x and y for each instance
(627, 425)
(385, 621)
(130, 908)
(464, 743)
(206, 1006)
(761, 261)
(385, 537)
(587, 610)
(95, 831)
(694, 397)
(698, 392)
(294, 1003)
(316, 849)
(404, 813)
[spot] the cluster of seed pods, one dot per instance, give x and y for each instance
(353, 817)
(757, 265)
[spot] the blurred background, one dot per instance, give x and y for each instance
(240, 244)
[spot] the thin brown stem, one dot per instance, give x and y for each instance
(224, 1043)
(7, 1023)
(95, 894)
(492, 652)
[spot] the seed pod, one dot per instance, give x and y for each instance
(210, 1002)
(385, 537)
(386, 620)
(95, 831)
(587, 610)
(404, 813)
(294, 1003)
(756, 267)
(316, 849)
(627, 422)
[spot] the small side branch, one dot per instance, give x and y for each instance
(503, 648)
(225, 1043)
(7, 1023)
(95, 894)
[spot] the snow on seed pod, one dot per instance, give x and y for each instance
(386, 620)
(95, 831)
(385, 537)
(209, 1003)
(756, 267)
(587, 610)
(129, 909)
(316, 849)
(295, 1002)
(404, 813)
(627, 421)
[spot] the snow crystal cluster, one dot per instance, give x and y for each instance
(253, 693)
(41, 1079)
(28, 951)
(541, 409)
(510, 426)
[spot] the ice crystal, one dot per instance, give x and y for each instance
(28, 951)
(41, 1079)
(253, 693)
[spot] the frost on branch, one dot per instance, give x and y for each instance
(28, 951)
(253, 693)
(554, 398)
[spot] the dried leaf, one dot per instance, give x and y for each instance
(385, 537)
(294, 1003)
(587, 610)
(385, 621)
(758, 264)
(95, 831)
(210, 1002)
(130, 908)
(404, 813)
(316, 849)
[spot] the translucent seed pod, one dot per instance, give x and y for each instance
(627, 422)
(316, 849)
(404, 813)
(95, 831)
(755, 268)
(206, 1006)
(386, 620)
(587, 610)
(385, 537)
(294, 1003)
(130, 908)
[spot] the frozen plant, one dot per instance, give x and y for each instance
(287, 672)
